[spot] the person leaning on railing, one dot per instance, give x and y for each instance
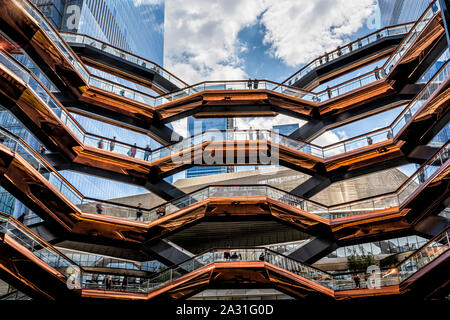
(161, 211)
(262, 257)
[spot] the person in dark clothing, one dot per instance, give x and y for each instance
(377, 74)
(255, 84)
(139, 212)
(250, 133)
(249, 83)
(112, 144)
(407, 115)
(108, 282)
(329, 92)
(125, 282)
(99, 208)
(369, 140)
(226, 253)
(357, 280)
(261, 257)
(147, 153)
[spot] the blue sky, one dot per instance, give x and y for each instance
(235, 39)
(271, 39)
(258, 62)
(268, 39)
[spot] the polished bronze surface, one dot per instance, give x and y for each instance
(30, 274)
(23, 181)
(25, 30)
(119, 73)
(35, 113)
(42, 281)
(28, 31)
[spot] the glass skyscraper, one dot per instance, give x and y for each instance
(132, 25)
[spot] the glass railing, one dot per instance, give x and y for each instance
(410, 112)
(275, 87)
(17, 145)
(88, 260)
(353, 46)
(336, 282)
(422, 257)
(287, 247)
(348, 145)
(121, 90)
(424, 173)
(85, 137)
(386, 201)
(38, 247)
(148, 155)
(71, 57)
(236, 85)
(414, 33)
(144, 284)
(53, 35)
(84, 39)
(421, 176)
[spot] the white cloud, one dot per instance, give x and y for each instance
(299, 31)
(147, 2)
(201, 40)
(326, 138)
(201, 36)
(266, 123)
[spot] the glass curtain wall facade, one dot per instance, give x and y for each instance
(135, 26)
